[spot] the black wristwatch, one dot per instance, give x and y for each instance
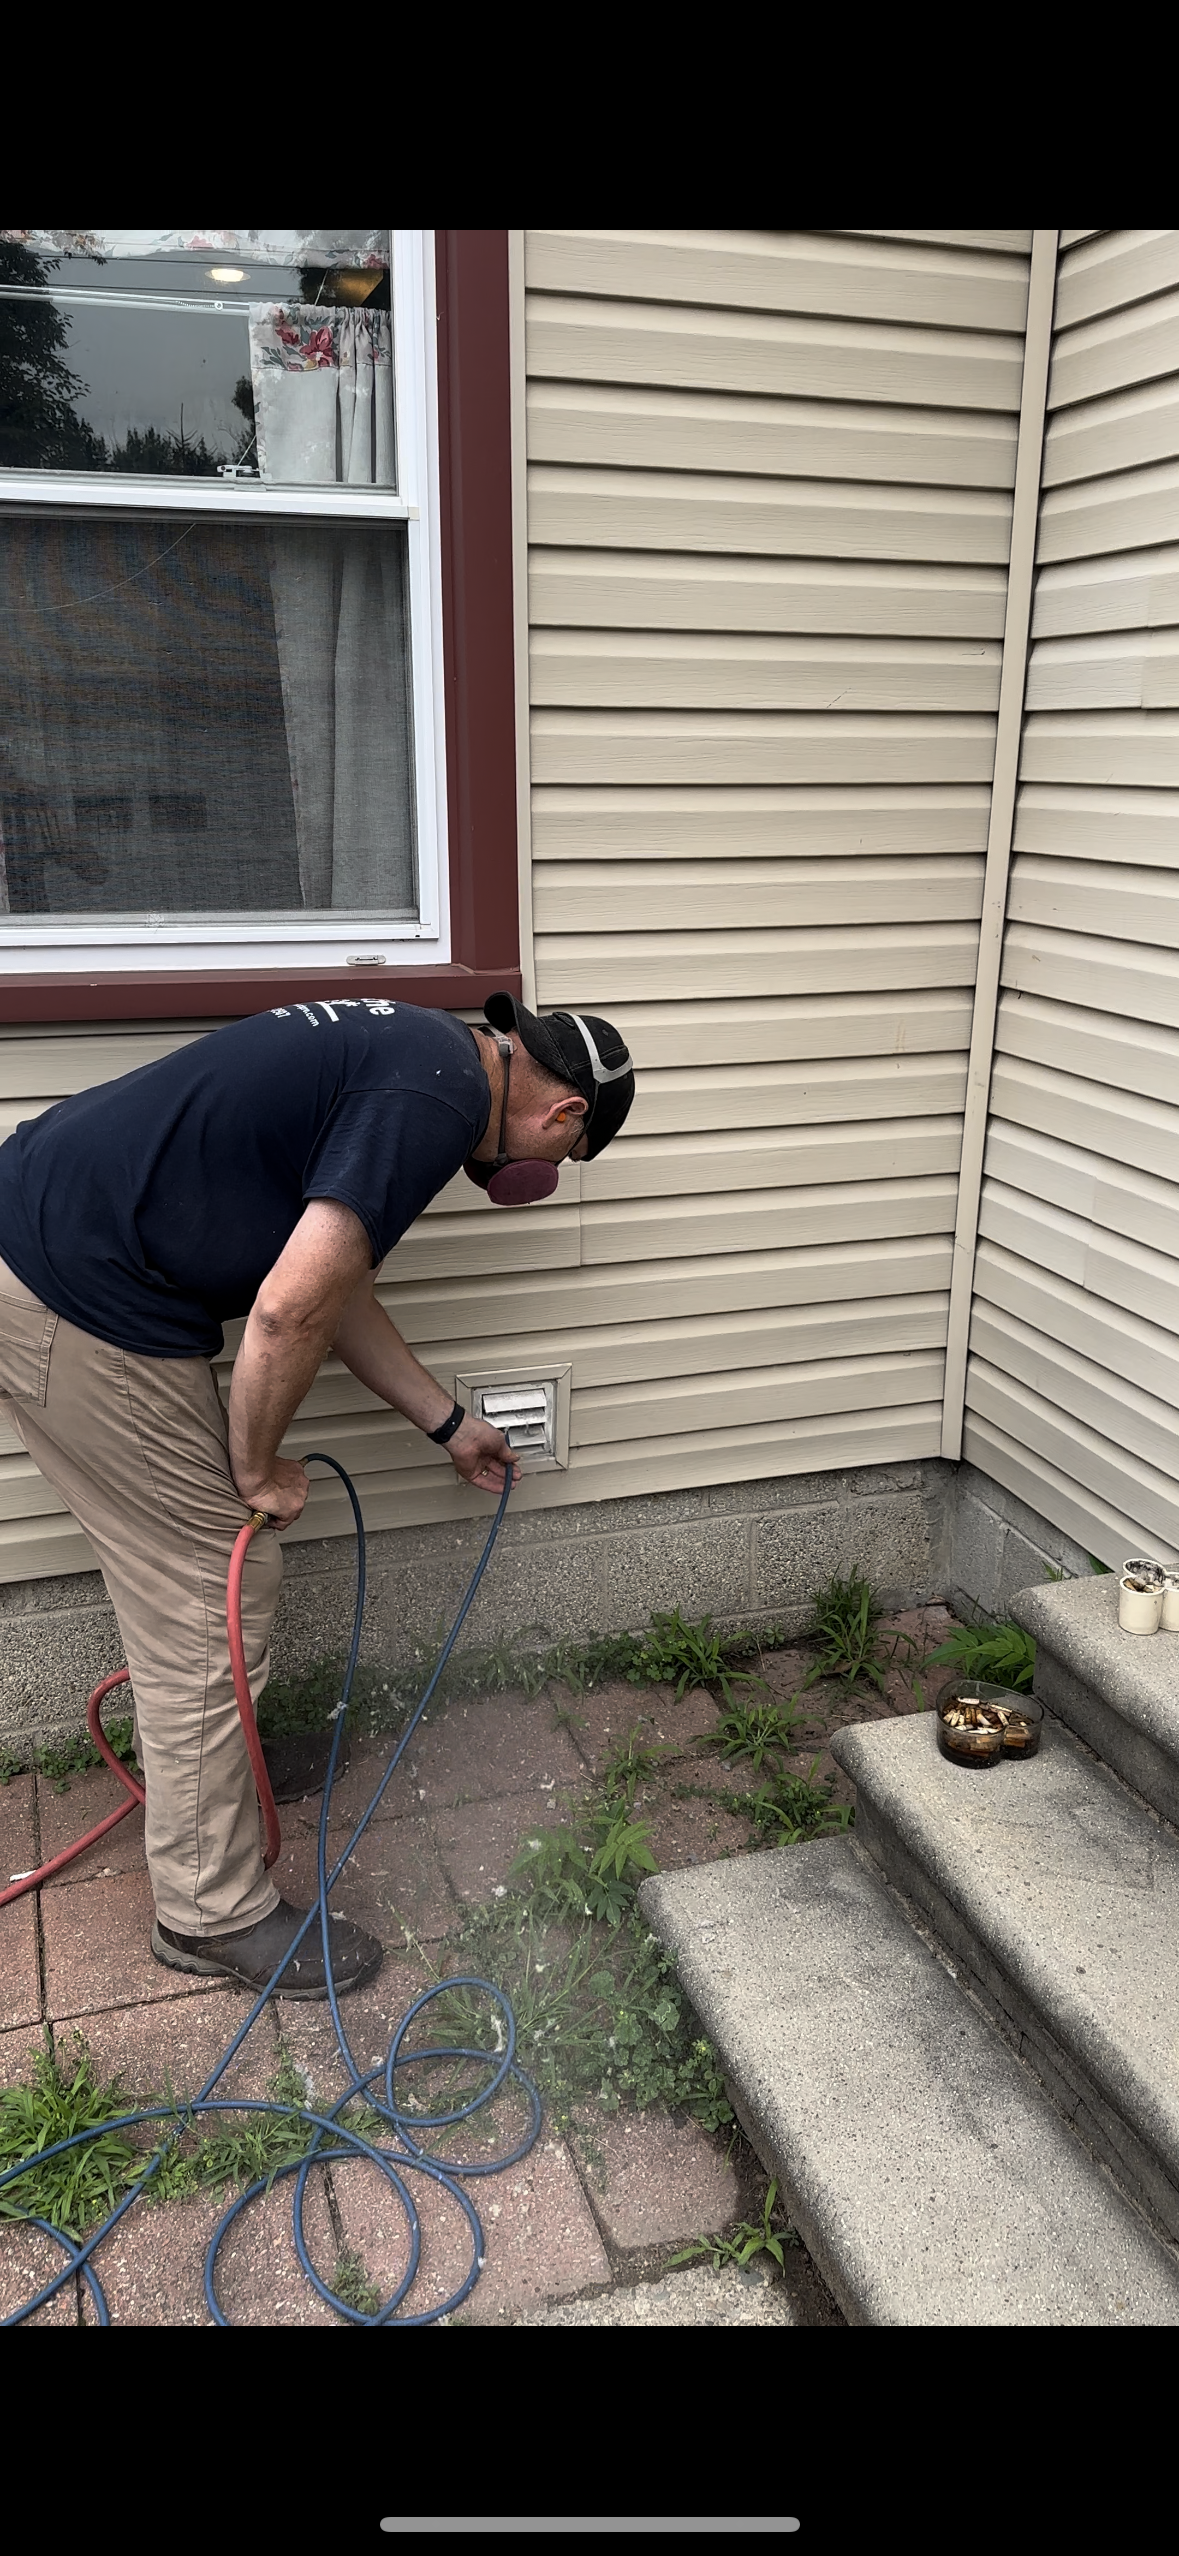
(442, 1437)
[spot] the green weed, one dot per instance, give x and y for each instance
(351, 2283)
(59, 2099)
(791, 1808)
(601, 2018)
(595, 1875)
(844, 1628)
(752, 2237)
(753, 1730)
(684, 1655)
(631, 1766)
(77, 1756)
(997, 1654)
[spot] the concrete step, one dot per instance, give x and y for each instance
(927, 2171)
(1057, 1894)
(1118, 1691)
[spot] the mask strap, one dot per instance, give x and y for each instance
(504, 1046)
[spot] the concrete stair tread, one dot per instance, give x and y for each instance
(930, 2176)
(1062, 1882)
(1137, 1675)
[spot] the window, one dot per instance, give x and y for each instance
(221, 652)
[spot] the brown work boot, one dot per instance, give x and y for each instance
(253, 1956)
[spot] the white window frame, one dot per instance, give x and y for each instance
(247, 942)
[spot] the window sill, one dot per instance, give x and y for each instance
(205, 993)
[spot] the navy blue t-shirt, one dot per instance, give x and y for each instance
(149, 1210)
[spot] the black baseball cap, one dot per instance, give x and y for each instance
(583, 1051)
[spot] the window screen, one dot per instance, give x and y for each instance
(203, 718)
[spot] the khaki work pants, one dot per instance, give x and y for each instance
(137, 1449)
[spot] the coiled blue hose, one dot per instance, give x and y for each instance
(335, 2142)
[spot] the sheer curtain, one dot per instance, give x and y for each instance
(323, 399)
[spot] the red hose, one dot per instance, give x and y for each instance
(245, 1706)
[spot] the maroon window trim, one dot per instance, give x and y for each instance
(475, 486)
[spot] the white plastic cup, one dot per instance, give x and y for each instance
(1139, 1610)
(1170, 1617)
(1139, 1568)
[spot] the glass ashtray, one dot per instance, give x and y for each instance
(978, 1724)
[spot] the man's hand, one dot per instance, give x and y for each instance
(281, 1496)
(482, 1455)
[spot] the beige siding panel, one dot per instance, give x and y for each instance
(713, 1289)
(1123, 1273)
(628, 1354)
(1132, 509)
(1077, 967)
(24, 1493)
(760, 1220)
(809, 518)
(1096, 1526)
(841, 1088)
(1068, 239)
(1091, 824)
(1118, 1342)
(831, 1025)
(1116, 352)
(731, 825)
(688, 671)
(441, 1245)
(1135, 590)
(1116, 1196)
(762, 1158)
(36, 1548)
(610, 427)
(588, 897)
(1113, 271)
(1139, 748)
(1138, 1421)
(47, 1064)
(374, 1443)
(666, 590)
(571, 339)
(1109, 900)
(1010, 243)
(1117, 1477)
(639, 966)
(1120, 1124)
(1122, 670)
(666, 1407)
(1134, 1056)
(814, 271)
(1124, 432)
(727, 747)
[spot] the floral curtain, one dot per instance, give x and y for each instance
(323, 394)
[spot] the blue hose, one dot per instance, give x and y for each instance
(334, 2143)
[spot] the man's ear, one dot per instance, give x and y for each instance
(562, 1111)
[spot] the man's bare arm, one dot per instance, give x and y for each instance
(291, 1327)
(319, 1295)
(372, 1347)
